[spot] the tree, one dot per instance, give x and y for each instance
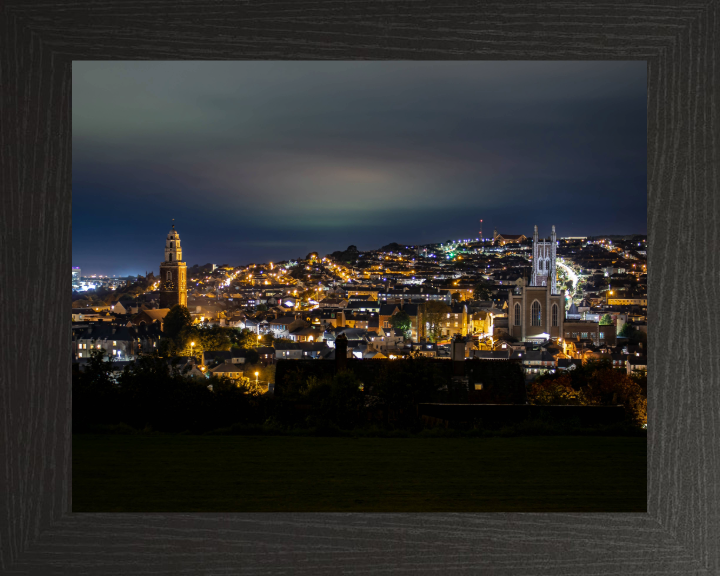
(336, 401)
(400, 386)
(606, 320)
(251, 356)
(627, 330)
(595, 383)
(212, 338)
(261, 308)
(401, 321)
(94, 392)
(554, 391)
(456, 296)
(607, 386)
(433, 313)
(244, 338)
(633, 335)
(483, 290)
(176, 320)
(349, 255)
(167, 348)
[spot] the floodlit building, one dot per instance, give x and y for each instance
(173, 273)
(537, 311)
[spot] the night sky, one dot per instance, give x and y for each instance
(266, 161)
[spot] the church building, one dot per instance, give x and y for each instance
(503, 239)
(537, 311)
(173, 273)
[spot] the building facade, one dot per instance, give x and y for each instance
(504, 239)
(537, 311)
(173, 273)
(588, 330)
(535, 314)
(544, 272)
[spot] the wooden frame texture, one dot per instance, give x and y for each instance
(680, 534)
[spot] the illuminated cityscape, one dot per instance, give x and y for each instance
(546, 302)
(290, 278)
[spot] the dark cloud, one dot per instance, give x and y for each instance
(269, 160)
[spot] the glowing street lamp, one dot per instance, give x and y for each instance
(256, 378)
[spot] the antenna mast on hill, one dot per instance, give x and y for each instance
(481, 236)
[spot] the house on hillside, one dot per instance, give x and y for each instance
(282, 326)
(636, 363)
(228, 369)
(148, 316)
(117, 341)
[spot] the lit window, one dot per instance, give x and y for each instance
(79, 354)
(536, 314)
(584, 335)
(114, 343)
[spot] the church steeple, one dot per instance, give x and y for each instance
(173, 273)
(544, 271)
(173, 252)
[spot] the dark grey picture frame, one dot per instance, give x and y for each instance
(680, 532)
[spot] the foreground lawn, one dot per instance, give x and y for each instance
(165, 473)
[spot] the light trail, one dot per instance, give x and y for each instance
(572, 275)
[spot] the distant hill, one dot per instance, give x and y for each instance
(615, 237)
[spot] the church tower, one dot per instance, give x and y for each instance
(173, 273)
(537, 310)
(544, 272)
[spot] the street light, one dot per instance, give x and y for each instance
(256, 378)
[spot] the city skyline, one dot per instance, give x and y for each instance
(263, 161)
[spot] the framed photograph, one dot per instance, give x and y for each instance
(61, 65)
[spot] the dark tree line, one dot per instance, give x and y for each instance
(153, 394)
(595, 383)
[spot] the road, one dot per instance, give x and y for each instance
(571, 275)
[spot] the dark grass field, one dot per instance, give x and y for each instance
(164, 473)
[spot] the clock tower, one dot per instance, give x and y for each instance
(173, 273)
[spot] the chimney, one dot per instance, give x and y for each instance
(341, 345)
(458, 356)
